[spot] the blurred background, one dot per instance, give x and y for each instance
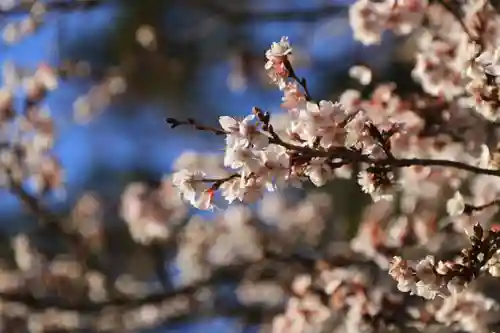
(126, 65)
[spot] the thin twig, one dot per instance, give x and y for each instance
(190, 121)
(347, 155)
(221, 276)
(469, 209)
(301, 81)
(408, 162)
(459, 19)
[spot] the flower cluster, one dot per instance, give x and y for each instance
(406, 153)
(429, 278)
(28, 134)
(370, 19)
(319, 138)
(320, 141)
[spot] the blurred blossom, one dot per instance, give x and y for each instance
(146, 37)
(7, 4)
(455, 206)
(361, 200)
(362, 74)
(270, 294)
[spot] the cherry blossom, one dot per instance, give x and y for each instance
(456, 205)
(418, 249)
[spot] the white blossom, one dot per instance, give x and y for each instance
(361, 73)
(490, 60)
(456, 205)
(319, 172)
(189, 184)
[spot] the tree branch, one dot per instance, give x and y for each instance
(250, 15)
(33, 205)
(348, 155)
(223, 275)
(59, 5)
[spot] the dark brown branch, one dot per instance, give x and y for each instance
(469, 209)
(223, 275)
(33, 205)
(348, 155)
(46, 219)
(218, 182)
(250, 15)
(301, 81)
(407, 162)
(459, 19)
(190, 121)
(496, 5)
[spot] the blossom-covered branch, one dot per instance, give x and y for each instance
(381, 140)
(319, 135)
